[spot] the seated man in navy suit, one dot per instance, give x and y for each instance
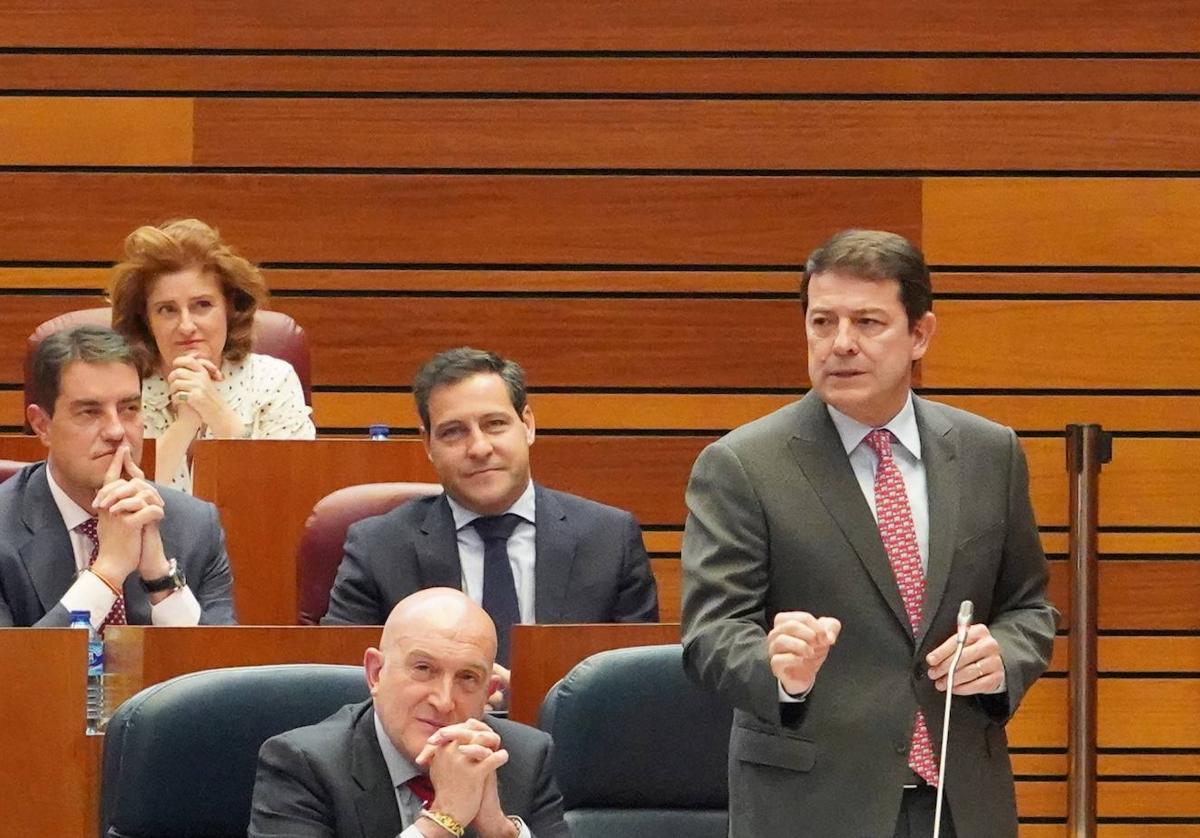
(526, 553)
(84, 530)
(419, 759)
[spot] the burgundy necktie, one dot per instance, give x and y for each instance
(899, 534)
(116, 614)
(422, 787)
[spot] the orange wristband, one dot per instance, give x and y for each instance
(116, 591)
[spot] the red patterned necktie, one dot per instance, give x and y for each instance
(422, 787)
(116, 614)
(899, 534)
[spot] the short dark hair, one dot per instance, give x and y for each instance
(89, 344)
(455, 365)
(877, 255)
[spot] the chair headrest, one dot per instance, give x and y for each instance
(630, 729)
(180, 756)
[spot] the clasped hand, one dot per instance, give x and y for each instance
(462, 760)
(128, 511)
(193, 392)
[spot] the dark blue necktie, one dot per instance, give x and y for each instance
(499, 590)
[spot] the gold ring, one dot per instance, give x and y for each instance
(182, 397)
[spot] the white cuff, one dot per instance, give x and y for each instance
(179, 609)
(786, 697)
(89, 593)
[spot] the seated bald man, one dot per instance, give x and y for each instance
(419, 758)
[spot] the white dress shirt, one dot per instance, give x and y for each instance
(522, 552)
(89, 593)
(865, 461)
(906, 451)
(401, 769)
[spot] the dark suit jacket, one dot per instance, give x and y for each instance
(37, 563)
(330, 779)
(590, 566)
(777, 522)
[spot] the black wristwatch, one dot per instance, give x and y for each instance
(173, 581)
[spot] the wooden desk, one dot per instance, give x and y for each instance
(49, 767)
(265, 490)
(541, 654)
(137, 657)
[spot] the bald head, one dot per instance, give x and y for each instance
(442, 611)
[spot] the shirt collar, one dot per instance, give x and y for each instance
(400, 768)
(523, 506)
(903, 426)
(72, 513)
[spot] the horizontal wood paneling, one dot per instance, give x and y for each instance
(1125, 718)
(489, 133)
(655, 411)
(581, 74)
(782, 281)
(1070, 221)
(459, 219)
(715, 343)
(703, 412)
(1057, 344)
(1021, 25)
(1114, 799)
(1118, 543)
(596, 133)
(1054, 543)
(1114, 830)
(95, 131)
(1146, 764)
(1139, 595)
(722, 343)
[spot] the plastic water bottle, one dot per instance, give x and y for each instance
(95, 672)
(379, 432)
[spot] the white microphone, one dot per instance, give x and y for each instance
(965, 613)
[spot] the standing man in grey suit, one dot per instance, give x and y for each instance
(828, 546)
(85, 530)
(526, 553)
(419, 756)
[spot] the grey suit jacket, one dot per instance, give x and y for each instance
(330, 779)
(777, 522)
(590, 566)
(37, 562)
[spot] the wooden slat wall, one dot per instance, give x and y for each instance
(619, 195)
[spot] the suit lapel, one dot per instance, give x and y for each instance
(48, 556)
(378, 812)
(437, 548)
(554, 547)
(818, 451)
(939, 451)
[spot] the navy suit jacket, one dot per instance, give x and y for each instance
(329, 780)
(590, 566)
(37, 562)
